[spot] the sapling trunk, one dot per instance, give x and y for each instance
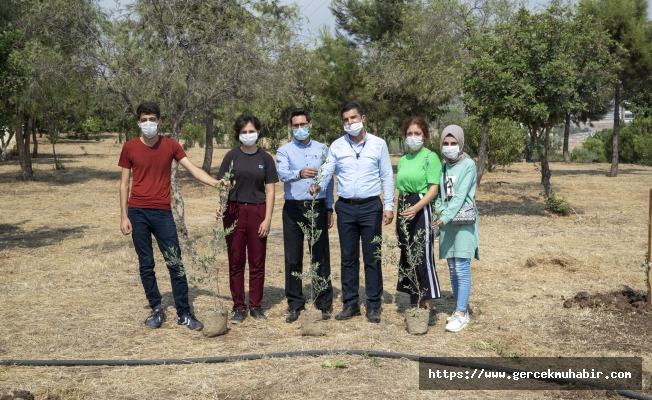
(317, 283)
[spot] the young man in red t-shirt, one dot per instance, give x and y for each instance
(147, 211)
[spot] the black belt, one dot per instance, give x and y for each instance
(358, 201)
(305, 203)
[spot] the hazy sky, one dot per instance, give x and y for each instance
(315, 12)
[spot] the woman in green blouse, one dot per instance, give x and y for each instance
(417, 180)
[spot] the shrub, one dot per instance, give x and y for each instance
(557, 205)
(583, 155)
(506, 141)
(593, 145)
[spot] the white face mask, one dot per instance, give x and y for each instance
(149, 129)
(353, 129)
(249, 139)
(450, 152)
(414, 142)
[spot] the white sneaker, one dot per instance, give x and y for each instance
(448, 319)
(457, 322)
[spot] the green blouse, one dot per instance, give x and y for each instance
(412, 176)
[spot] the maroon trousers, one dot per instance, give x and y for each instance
(244, 243)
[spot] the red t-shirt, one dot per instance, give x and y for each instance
(151, 167)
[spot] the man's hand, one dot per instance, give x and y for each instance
(409, 213)
(314, 189)
(330, 219)
(308, 173)
(125, 226)
(438, 223)
(222, 182)
(263, 230)
(388, 217)
(218, 213)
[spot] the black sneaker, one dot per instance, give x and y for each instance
(190, 321)
(156, 319)
(257, 313)
(238, 316)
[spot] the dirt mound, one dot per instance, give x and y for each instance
(625, 301)
(563, 261)
(18, 394)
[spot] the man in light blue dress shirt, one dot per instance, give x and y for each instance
(361, 161)
(298, 163)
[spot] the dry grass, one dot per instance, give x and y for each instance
(70, 289)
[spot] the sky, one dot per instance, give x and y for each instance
(315, 13)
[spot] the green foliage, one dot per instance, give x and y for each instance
(372, 360)
(593, 145)
(583, 155)
(334, 364)
(634, 142)
(557, 205)
(193, 133)
(497, 347)
(506, 141)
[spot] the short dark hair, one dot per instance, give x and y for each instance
(351, 106)
(299, 111)
(148, 107)
(242, 121)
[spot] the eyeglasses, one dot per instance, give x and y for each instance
(150, 119)
(301, 125)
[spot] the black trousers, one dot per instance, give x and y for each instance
(357, 222)
(293, 239)
(419, 227)
(145, 223)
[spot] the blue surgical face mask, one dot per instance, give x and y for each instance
(301, 133)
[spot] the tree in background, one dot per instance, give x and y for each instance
(505, 144)
(627, 24)
(529, 71)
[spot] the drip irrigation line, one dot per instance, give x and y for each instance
(314, 353)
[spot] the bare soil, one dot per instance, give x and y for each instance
(70, 289)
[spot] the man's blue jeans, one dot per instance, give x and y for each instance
(145, 222)
(460, 272)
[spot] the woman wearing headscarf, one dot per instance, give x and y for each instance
(417, 180)
(457, 243)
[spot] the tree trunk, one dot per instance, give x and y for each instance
(566, 137)
(35, 152)
(176, 201)
(3, 152)
(482, 151)
(27, 135)
(401, 146)
(23, 155)
(53, 140)
(543, 159)
(208, 150)
(614, 156)
(531, 147)
(374, 124)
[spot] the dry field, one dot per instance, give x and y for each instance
(70, 289)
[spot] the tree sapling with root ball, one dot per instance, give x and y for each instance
(414, 247)
(207, 264)
(311, 321)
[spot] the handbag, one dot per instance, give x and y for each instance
(466, 215)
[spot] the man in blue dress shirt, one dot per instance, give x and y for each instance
(298, 164)
(361, 161)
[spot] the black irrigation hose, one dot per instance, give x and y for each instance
(248, 357)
